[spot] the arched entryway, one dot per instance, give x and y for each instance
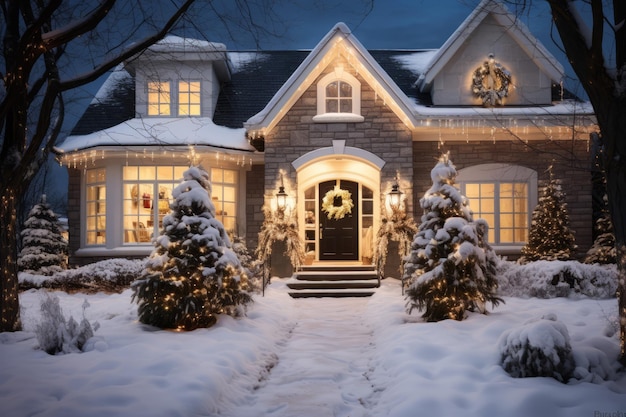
(352, 170)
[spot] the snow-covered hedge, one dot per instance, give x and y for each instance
(549, 279)
(113, 275)
(538, 348)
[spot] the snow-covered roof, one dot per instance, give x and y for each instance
(161, 131)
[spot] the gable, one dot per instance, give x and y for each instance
(339, 45)
(491, 29)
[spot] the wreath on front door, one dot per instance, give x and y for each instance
(337, 203)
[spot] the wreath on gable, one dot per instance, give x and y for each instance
(337, 203)
(491, 82)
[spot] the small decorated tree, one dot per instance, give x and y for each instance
(451, 268)
(603, 249)
(550, 237)
(44, 249)
(192, 274)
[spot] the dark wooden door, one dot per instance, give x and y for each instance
(339, 237)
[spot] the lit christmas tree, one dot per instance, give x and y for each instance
(451, 268)
(192, 274)
(603, 249)
(550, 237)
(44, 249)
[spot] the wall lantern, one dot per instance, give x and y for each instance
(395, 195)
(281, 196)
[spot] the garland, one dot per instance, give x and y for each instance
(334, 210)
(491, 95)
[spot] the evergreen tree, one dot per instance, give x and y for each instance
(192, 274)
(603, 249)
(44, 249)
(450, 268)
(550, 237)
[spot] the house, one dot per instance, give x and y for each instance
(340, 122)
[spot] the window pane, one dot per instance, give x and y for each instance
(189, 98)
(158, 98)
(346, 105)
(346, 90)
(332, 106)
(332, 90)
(95, 207)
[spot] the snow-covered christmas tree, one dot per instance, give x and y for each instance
(550, 237)
(603, 249)
(451, 268)
(44, 249)
(193, 274)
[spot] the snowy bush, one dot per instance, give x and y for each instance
(538, 348)
(55, 334)
(110, 275)
(549, 279)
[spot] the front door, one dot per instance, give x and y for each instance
(338, 238)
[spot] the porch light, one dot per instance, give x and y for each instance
(281, 196)
(395, 195)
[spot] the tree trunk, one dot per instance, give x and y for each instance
(9, 303)
(616, 190)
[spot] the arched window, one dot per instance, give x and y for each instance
(338, 98)
(504, 195)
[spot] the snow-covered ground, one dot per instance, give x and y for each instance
(306, 358)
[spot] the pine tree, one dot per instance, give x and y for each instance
(550, 237)
(192, 274)
(603, 249)
(44, 249)
(451, 268)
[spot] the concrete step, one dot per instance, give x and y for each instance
(296, 284)
(333, 281)
(330, 293)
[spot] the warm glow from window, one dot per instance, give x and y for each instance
(504, 206)
(159, 98)
(147, 192)
(189, 98)
(95, 206)
(224, 196)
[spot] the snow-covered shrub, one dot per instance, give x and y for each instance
(192, 274)
(110, 275)
(549, 279)
(44, 249)
(55, 334)
(596, 361)
(450, 269)
(539, 347)
(603, 249)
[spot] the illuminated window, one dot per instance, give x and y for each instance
(147, 193)
(505, 208)
(189, 98)
(224, 195)
(503, 195)
(159, 99)
(95, 206)
(338, 98)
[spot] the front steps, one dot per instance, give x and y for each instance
(334, 280)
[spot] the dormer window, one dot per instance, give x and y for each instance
(159, 98)
(338, 98)
(189, 98)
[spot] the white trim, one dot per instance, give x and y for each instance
(338, 149)
(345, 77)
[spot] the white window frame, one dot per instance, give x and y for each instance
(159, 104)
(338, 117)
(188, 94)
(498, 174)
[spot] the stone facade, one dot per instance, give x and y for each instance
(570, 163)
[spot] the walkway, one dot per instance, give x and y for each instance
(324, 366)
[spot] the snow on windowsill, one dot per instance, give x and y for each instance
(338, 118)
